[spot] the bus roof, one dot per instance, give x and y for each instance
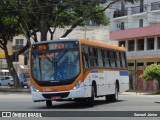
(86, 42)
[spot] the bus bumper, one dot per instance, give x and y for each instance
(38, 96)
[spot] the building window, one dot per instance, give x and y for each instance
(122, 6)
(131, 45)
(158, 43)
(140, 44)
(122, 25)
(140, 64)
(130, 64)
(141, 5)
(19, 41)
(141, 23)
(150, 63)
(122, 43)
(155, 6)
(150, 43)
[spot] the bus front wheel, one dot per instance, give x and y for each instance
(91, 99)
(48, 103)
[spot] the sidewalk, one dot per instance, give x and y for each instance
(138, 93)
(148, 94)
(11, 89)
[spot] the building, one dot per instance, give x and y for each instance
(3, 66)
(137, 27)
(18, 42)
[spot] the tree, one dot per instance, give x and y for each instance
(152, 72)
(9, 27)
(46, 15)
(32, 16)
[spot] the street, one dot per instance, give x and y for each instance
(128, 101)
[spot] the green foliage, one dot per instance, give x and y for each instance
(132, 72)
(9, 25)
(41, 15)
(151, 72)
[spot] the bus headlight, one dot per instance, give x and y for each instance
(77, 85)
(33, 88)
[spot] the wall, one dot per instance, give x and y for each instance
(95, 33)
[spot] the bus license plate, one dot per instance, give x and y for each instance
(56, 97)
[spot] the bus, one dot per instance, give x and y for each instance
(77, 70)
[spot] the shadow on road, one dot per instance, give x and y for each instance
(74, 105)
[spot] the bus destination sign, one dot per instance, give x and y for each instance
(57, 45)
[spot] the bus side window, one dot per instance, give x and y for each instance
(124, 62)
(115, 57)
(107, 58)
(95, 57)
(85, 57)
(91, 61)
(103, 57)
(100, 59)
(118, 60)
(112, 59)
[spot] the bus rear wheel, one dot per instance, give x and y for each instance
(48, 103)
(112, 97)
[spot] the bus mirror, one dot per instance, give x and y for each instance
(25, 60)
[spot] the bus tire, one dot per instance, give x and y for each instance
(48, 103)
(113, 97)
(91, 99)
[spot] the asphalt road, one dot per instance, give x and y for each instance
(127, 102)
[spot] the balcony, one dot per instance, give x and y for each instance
(120, 13)
(138, 9)
(155, 6)
(143, 54)
(135, 32)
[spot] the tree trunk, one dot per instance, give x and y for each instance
(43, 34)
(71, 28)
(12, 70)
(158, 86)
(43, 28)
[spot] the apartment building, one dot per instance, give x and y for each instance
(137, 27)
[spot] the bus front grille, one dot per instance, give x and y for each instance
(62, 95)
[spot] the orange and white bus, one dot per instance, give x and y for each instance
(77, 70)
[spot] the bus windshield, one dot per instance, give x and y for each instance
(57, 65)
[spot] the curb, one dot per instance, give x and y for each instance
(14, 90)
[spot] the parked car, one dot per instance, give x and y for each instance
(6, 81)
(26, 82)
